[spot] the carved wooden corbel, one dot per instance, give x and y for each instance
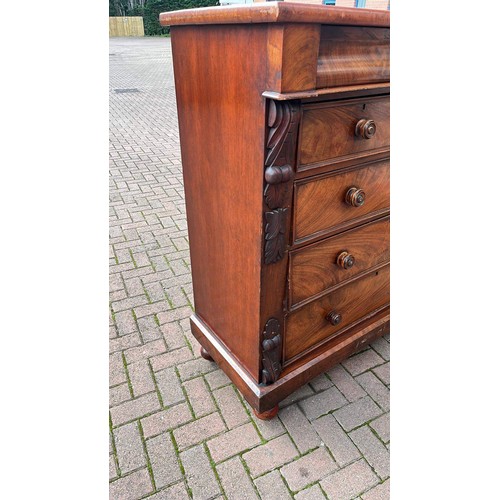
(271, 352)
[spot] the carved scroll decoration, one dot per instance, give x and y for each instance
(271, 352)
(274, 234)
(282, 122)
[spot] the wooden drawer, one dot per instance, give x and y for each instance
(328, 131)
(320, 266)
(351, 55)
(321, 206)
(309, 326)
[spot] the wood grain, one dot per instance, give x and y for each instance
(337, 122)
(314, 269)
(353, 55)
(320, 201)
(308, 326)
(222, 148)
(276, 12)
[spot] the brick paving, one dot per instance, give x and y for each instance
(178, 427)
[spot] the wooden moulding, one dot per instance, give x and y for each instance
(277, 12)
(264, 398)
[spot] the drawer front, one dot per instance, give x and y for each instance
(327, 263)
(327, 201)
(310, 325)
(351, 55)
(336, 131)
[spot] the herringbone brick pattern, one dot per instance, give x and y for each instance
(178, 427)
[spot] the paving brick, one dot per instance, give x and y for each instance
(130, 302)
(346, 383)
(301, 393)
(165, 420)
(140, 378)
(129, 449)
(272, 487)
(149, 329)
(169, 386)
(173, 335)
(271, 455)
(112, 467)
(350, 481)
(217, 379)
(336, 439)
(199, 430)
(125, 342)
(383, 373)
(320, 383)
(115, 282)
(362, 362)
(149, 309)
(382, 347)
(322, 403)
(131, 410)
(269, 429)
(171, 358)
(235, 441)
(175, 492)
(175, 314)
(299, 428)
(376, 389)
(232, 409)
(235, 481)
(308, 469)
(357, 413)
(381, 426)
(199, 474)
(373, 450)
(113, 334)
(145, 351)
(119, 394)
(196, 368)
(166, 469)
(313, 493)
(131, 487)
(134, 286)
(380, 492)
(199, 397)
(117, 373)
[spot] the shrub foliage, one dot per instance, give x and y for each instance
(151, 10)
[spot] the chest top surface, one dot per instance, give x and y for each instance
(277, 12)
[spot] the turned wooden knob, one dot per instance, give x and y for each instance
(355, 196)
(365, 128)
(334, 318)
(345, 260)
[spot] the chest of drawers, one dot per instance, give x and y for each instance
(284, 127)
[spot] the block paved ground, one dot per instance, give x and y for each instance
(178, 427)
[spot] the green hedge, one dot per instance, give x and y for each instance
(153, 8)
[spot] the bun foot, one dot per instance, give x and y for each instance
(267, 415)
(205, 354)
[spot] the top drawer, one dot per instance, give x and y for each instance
(352, 55)
(332, 132)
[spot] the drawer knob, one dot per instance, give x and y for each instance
(345, 260)
(365, 128)
(355, 196)
(334, 318)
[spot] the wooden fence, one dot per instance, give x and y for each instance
(126, 26)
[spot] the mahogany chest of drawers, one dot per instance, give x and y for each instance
(284, 127)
